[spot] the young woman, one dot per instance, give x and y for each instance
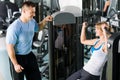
(92, 70)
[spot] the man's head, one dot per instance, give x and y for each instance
(28, 9)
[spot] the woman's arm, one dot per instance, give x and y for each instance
(83, 36)
(106, 36)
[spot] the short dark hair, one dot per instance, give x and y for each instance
(28, 4)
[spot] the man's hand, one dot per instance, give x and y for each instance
(44, 21)
(48, 18)
(18, 68)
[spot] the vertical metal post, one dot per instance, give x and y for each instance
(50, 50)
(79, 51)
(41, 10)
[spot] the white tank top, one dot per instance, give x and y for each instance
(96, 62)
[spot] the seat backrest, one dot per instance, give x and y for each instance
(72, 6)
(42, 34)
(64, 3)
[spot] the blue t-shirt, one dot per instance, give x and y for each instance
(21, 35)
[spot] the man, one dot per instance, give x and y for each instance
(19, 41)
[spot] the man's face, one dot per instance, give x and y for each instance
(29, 12)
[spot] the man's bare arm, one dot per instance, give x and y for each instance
(44, 21)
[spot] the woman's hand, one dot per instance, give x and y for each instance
(85, 24)
(104, 27)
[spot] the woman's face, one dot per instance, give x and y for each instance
(98, 31)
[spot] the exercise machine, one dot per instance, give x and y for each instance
(113, 65)
(65, 50)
